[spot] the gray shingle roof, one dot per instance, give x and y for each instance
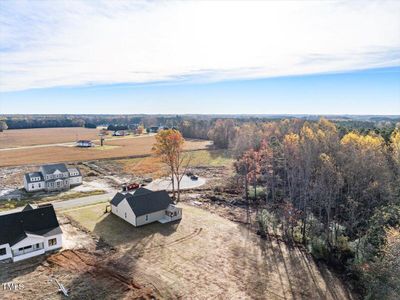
(117, 199)
(28, 176)
(144, 201)
(73, 169)
(50, 169)
(28, 207)
(14, 227)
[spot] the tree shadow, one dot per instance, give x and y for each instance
(285, 271)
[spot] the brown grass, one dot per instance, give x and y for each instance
(42, 136)
(208, 257)
(124, 147)
(154, 167)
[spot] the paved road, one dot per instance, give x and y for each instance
(72, 202)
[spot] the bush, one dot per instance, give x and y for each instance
(260, 193)
(267, 220)
(319, 249)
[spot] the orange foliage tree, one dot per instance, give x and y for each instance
(169, 147)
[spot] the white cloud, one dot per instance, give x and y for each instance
(55, 43)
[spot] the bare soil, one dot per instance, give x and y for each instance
(118, 148)
(39, 136)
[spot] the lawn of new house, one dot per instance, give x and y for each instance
(206, 256)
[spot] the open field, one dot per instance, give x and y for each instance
(41, 136)
(121, 147)
(208, 257)
(152, 166)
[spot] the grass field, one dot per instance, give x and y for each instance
(205, 256)
(114, 147)
(152, 166)
(41, 136)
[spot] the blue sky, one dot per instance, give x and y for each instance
(375, 91)
(266, 57)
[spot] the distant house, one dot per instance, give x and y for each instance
(145, 206)
(119, 133)
(30, 232)
(84, 144)
(153, 129)
(52, 178)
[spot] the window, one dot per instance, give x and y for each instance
(39, 185)
(25, 248)
(52, 242)
(147, 217)
(125, 215)
(3, 251)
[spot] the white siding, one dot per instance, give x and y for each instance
(75, 180)
(34, 186)
(58, 237)
(8, 251)
(153, 217)
(124, 211)
(32, 240)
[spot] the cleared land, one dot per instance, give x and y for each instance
(40, 136)
(208, 257)
(115, 148)
(152, 166)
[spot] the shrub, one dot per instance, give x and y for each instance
(319, 249)
(260, 193)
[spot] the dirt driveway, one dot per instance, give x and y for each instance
(208, 257)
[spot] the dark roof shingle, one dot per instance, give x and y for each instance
(15, 226)
(50, 169)
(144, 201)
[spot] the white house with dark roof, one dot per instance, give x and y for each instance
(52, 178)
(145, 206)
(84, 144)
(30, 232)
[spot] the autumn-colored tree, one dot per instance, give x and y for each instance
(169, 146)
(223, 133)
(140, 129)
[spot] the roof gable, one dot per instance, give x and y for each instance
(148, 203)
(117, 199)
(14, 227)
(50, 169)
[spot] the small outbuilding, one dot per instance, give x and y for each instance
(145, 206)
(84, 144)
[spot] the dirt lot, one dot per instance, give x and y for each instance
(115, 147)
(82, 267)
(39, 136)
(207, 257)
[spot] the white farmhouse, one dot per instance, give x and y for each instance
(145, 206)
(28, 233)
(53, 177)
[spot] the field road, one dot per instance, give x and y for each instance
(72, 202)
(71, 144)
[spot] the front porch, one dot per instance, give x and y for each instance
(28, 251)
(172, 213)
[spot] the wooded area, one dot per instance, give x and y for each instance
(336, 191)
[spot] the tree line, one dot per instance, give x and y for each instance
(337, 192)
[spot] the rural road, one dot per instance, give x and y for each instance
(72, 202)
